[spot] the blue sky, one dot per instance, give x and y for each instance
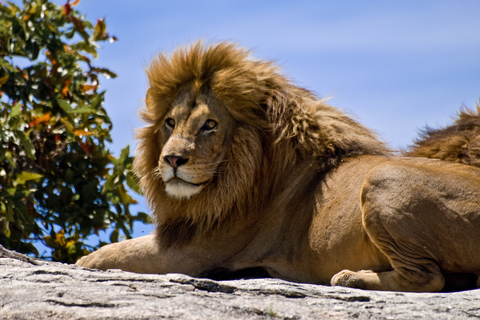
(395, 65)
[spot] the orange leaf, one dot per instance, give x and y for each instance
(89, 87)
(82, 133)
(38, 120)
(67, 49)
(66, 8)
(74, 3)
(77, 22)
(65, 88)
(50, 57)
(60, 238)
(84, 58)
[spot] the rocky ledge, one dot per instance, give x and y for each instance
(37, 289)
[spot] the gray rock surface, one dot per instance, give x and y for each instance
(36, 289)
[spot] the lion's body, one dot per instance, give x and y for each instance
(244, 170)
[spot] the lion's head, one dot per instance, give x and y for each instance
(193, 133)
(222, 129)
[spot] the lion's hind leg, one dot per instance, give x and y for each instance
(409, 273)
(414, 266)
(424, 221)
(390, 280)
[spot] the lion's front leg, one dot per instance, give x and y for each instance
(141, 255)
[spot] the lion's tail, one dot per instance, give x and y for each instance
(459, 142)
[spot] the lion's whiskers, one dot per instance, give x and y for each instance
(157, 172)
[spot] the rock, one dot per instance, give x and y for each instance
(37, 289)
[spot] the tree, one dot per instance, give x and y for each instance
(58, 181)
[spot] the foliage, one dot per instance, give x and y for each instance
(58, 181)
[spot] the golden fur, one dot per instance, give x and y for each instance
(242, 169)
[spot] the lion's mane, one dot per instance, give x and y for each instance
(279, 124)
(459, 142)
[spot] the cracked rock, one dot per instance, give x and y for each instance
(36, 289)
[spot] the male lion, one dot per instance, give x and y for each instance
(242, 169)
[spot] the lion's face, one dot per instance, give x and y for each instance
(194, 134)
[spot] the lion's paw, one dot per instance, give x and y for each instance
(347, 278)
(84, 262)
(93, 261)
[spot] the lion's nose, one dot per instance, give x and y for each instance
(175, 161)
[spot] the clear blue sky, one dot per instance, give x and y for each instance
(395, 65)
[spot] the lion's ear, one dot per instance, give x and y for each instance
(149, 100)
(155, 102)
(156, 106)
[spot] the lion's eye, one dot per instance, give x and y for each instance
(210, 125)
(170, 122)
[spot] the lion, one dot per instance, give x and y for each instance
(244, 171)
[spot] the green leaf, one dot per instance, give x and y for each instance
(84, 46)
(27, 145)
(25, 176)
(82, 110)
(10, 217)
(106, 73)
(5, 9)
(4, 63)
(67, 124)
(97, 101)
(126, 198)
(4, 79)
(13, 8)
(8, 155)
(144, 218)
(132, 183)
(7, 230)
(22, 212)
(11, 191)
(100, 32)
(124, 154)
(16, 110)
(114, 235)
(65, 105)
(72, 250)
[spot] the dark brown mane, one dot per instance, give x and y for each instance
(459, 142)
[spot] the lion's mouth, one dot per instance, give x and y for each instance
(179, 188)
(177, 180)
